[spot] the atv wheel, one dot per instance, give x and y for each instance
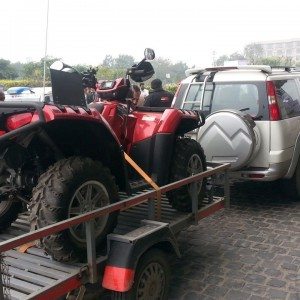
(188, 159)
(9, 211)
(69, 188)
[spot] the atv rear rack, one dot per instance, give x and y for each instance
(34, 275)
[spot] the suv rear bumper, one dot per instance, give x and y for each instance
(274, 172)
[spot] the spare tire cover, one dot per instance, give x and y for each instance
(228, 136)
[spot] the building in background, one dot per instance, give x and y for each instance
(282, 48)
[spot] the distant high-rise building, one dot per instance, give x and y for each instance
(282, 48)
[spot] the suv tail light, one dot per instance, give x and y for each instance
(17, 121)
(274, 110)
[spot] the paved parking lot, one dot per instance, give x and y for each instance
(251, 251)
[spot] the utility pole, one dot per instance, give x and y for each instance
(214, 58)
(45, 54)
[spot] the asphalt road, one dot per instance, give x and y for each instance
(250, 251)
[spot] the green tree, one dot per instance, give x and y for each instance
(33, 70)
(274, 61)
(162, 67)
(123, 61)
(253, 52)
(17, 67)
(6, 70)
(113, 68)
(221, 59)
(105, 73)
(233, 56)
(108, 61)
(81, 68)
(178, 71)
(236, 56)
(31, 73)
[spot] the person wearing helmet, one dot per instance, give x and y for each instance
(158, 97)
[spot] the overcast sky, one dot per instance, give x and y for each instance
(189, 31)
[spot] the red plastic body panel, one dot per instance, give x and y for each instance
(116, 84)
(52, 113)
(19, 120)
(139, 126)
(127, 129)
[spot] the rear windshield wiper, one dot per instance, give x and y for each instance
(244, 109)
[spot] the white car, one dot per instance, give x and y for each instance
(21, 93)
(252, 119)
(28, 94)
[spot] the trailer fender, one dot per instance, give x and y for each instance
(124, 252)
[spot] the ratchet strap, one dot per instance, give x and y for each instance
(147, 179)
(23, 248)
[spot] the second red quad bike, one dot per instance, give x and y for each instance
(67, 158)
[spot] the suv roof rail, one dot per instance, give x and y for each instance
(287, 68)
(263, 68)
(194, 71)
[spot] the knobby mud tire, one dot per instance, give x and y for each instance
(51, 198)
(185, 148)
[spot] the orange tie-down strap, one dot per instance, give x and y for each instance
(149, 180)
(23, 248)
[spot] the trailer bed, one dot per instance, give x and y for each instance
(33, 273)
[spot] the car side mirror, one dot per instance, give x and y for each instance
(141, 72)
(149, 54)
(57, 65)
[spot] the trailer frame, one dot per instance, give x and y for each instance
(91, 271)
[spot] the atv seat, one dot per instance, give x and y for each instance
(97, 105)
(153, 109)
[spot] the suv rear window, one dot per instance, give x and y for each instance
(288, 96)
(249, 97)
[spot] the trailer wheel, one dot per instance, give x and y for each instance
(69, 188)
(9, 211)
(188, 159)
(151, 280)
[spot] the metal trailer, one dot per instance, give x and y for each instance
(146, 221)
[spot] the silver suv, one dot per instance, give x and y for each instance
(252, 119)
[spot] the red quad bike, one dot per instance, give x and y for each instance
(65, 159)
